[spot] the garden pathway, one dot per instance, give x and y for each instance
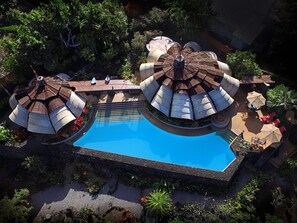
(59, 198)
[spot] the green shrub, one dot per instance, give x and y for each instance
(243, 63)
(15, 209)
(139, 180)
(287, 170)
(5, 133)
(127, 73)
(94, 183)
(166, 185)
(85, 174)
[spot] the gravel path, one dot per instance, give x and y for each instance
(59, 198)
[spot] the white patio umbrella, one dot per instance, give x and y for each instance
(271, 133)
(256, 99)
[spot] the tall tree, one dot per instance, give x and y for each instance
(59, 34)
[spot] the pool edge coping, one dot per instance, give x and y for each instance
(177, 171)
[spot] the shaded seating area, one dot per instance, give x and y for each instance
(258, 143)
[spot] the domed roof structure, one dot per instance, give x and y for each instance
(187, 83)
(46, 105)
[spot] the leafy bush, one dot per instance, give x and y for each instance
(166, 185)
(281, 98)
(5, 133)
(35, 169)
(287, 170)
(127, 70)
(139, 180)
(94, 183)
(151, 20)
(15, 209)
(243, 63)
(85, 174)
(57, 35)
(241, 208)
(198, 213)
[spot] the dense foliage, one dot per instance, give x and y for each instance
(288, 169)
(281, 98)
(15, 209)
(39, 172)
(5, 133)
(243, 63)
(60, 33)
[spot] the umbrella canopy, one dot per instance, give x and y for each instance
(187, 83)
(271, 133)
(256, 99)
(46, 105)
(161, 43)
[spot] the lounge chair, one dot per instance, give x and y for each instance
(276, 122)
(268, 118)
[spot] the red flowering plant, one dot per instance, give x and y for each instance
(79, 122)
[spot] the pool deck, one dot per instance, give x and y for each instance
(153, 167)
(102, 85)
(242, 121)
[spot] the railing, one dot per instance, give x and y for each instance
(119, 111)
(228, 136)
(120, 105)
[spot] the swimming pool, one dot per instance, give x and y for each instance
(135, 136)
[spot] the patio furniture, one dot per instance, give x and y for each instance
(276, 122)
(257, 140)
(107, 79)
(93, 81)
(251, 107)
(268, 118)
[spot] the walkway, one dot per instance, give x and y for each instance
(101, 85)
(59, 198)
(264, 79)
(244, 120)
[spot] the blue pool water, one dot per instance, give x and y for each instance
(137, 137)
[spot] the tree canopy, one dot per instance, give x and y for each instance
(59, 34)
(243, 63)
(281, 98)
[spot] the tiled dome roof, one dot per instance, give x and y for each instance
(186, 83)
(46, 105)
